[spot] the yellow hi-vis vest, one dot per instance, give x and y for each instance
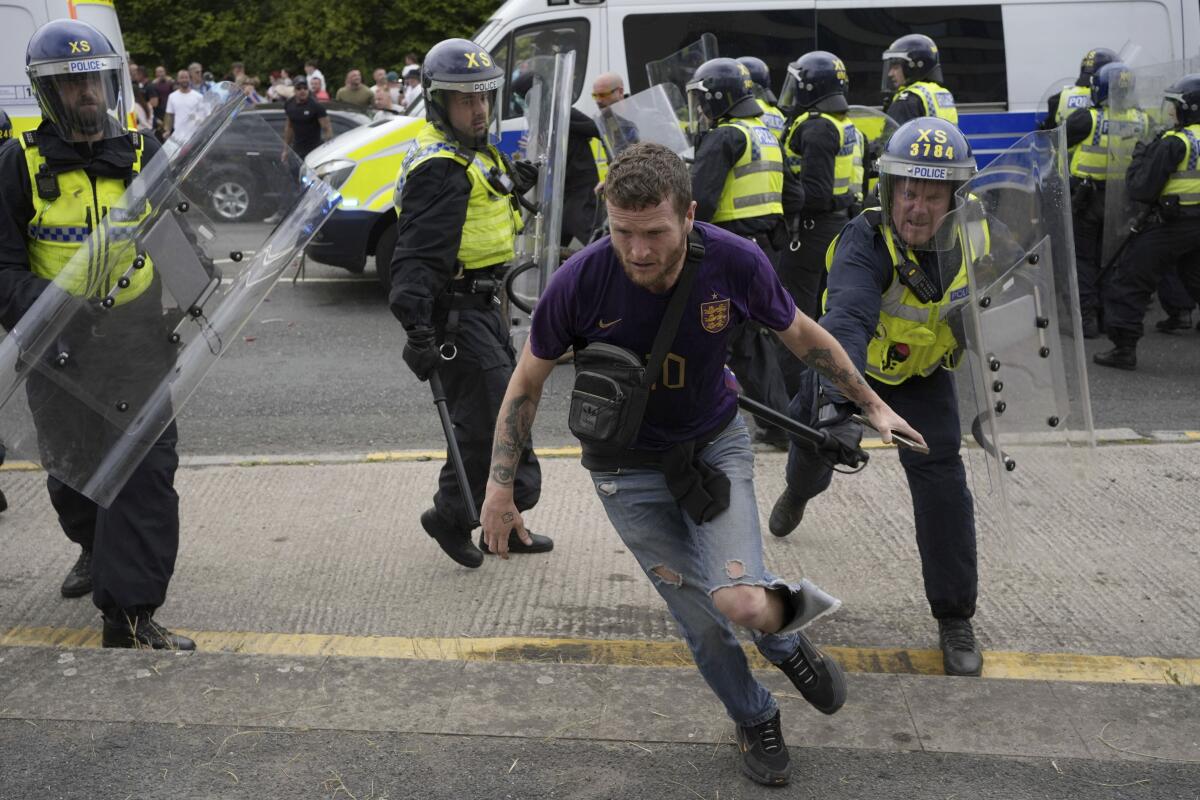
(600, 156)
(773, 118)
(1070, 99)
(492, 218)
(754, 187)
(913, 338)
(63, 226)
(1185, 180)
(937, 99)
(1089, 158)
(847, 164)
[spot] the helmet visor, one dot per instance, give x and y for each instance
(895, 71)
(918, 199)
(698, 108)
(472, 117)
(1168, 114)
(82, 99)
(789, 97)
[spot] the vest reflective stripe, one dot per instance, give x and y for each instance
(754, 187)
(773, 118)
(1071, 99)
(86, 216)
(492, 222)
(600, 156)
(1089, 158)
(938, 100)
(847, 164)
(903, 319)
(1185, 180)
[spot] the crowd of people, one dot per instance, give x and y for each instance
(168, 103)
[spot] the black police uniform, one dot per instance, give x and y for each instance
(425, 282)
(1171, 242)
(579, 182)
(134, 541)
(1087, 218)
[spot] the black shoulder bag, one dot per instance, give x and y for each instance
(612, 384)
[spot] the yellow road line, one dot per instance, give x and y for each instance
(1000, 664)
(1193, 435)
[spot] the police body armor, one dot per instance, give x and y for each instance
(773, 118)
(754, 187)
(1070, 99)
(913, 336)
(600, 156)
(938, 100)
(1184, 182)
(1089, 158)
(67, 208)
(847, 165)
(493, 220)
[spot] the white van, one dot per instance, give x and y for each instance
(998, 58)
(18, 21)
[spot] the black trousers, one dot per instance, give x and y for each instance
(755, 357)
(943, 509)
(1151, 254)
(1087, 225)
(475, 382)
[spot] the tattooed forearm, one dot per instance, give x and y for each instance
(844, 377)
(512, 437)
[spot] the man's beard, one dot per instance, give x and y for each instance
(659, 280)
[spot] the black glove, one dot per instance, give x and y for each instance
(524, 175)
(421, 352)
(844, 433)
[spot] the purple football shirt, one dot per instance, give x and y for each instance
(590, 298)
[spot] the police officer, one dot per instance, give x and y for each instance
(58, 179)
(737, 182)
(1087, 138)
(912, 81)
(1078, 95)
(824, 151)
(457, 219)
(760, 73)
(885, 287)
(1164, 178)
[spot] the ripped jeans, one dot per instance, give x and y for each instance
(688, 562)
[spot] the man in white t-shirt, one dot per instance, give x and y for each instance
(185, 109)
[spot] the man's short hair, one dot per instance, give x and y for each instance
(647, 174)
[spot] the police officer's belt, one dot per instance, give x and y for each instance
(474, 290)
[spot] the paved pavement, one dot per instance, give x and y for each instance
(342, 655)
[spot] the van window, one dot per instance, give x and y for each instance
(543, 39)
(777, 37)
(970, 42)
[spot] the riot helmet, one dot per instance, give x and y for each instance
(1181, 101)
(816, 80)
(1092, 62)
(1112, 78)
(461, 85)
(760, 73)
(720, 88)
(924, 164)
(5, 125)
(909, 59)
(77, 78)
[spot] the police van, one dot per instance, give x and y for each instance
(18, 21)
(998, 58)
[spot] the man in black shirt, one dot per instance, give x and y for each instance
(307, 123)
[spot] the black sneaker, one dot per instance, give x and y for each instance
(141, 632)
(541, 544)
(454, 542)
(764, 754)
(817, 676)
(79, 580)
(787, 513)
(960, 651)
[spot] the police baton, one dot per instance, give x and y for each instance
(1135, 227)
(819, 439)
(452, 451)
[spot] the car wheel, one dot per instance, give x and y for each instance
(231, 197)
(383, 256)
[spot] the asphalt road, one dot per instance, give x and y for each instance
(318, 370)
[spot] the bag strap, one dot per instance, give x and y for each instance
(670, 321)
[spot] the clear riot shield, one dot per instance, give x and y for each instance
(648, 116)
(1054, 88)
(1021, 374)
(107, 356)
(876, 128)
(548, 114)
(677, 69)
(1134, 115)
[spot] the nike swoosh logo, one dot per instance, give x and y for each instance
(604, 324)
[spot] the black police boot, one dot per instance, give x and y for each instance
(817, 676)
(772, 436)
(1121, 357)
(541, 544)
(1091, 325)
(960, 651)
(454, 541)
(79, 580)
(764, 754)
(786, 513)
(1175, 322)
(138, 630)
(3, 502)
